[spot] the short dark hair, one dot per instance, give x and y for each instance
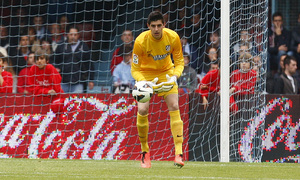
(277, 14)
(72, 27)
(41, 53)
(216, 32)
(216, 62)
(127, 50)
(287, 60)
(185, 54)
(127, 30)
(22, 34)
(48, 39)
(155, 16)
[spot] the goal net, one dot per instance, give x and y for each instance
(96, 119)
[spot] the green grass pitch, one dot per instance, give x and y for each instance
(104, 169)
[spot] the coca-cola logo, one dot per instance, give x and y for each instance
(283, 130)
(85, 130)
(84, 126)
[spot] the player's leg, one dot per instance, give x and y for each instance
(176, 126)
(143, 128)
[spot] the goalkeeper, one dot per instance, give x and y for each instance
(152, 62)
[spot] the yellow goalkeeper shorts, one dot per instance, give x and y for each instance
(162, 78)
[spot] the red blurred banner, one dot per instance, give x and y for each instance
(89, 126)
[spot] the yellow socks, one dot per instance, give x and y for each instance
(143, 128)
(177, 130)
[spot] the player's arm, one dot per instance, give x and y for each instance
(178, 57)
(136, 63)
(178, 63)
(56, 80)
(235, 83)
(205, 85)
(6, 82)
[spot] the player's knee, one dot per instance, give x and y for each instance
(173, 107)
(143, 110)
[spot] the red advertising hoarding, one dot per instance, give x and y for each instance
(90, 126)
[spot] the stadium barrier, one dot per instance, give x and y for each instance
(90, 126)
(102, 126)
(279, 142)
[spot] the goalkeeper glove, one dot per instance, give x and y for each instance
(171, 81)
(155, 87)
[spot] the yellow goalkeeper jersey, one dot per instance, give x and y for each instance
(152, 56)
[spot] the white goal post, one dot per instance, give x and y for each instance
(225, 74)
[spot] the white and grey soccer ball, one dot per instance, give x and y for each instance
(142, 91)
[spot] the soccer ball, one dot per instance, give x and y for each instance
(142, 92)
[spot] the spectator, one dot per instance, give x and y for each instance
(279, 41)
(63, 21)
(6, 78)
(286, 83)
(281, 68)
(214, 39)
(243, 80)
(243, 100)
(7, 66)
(188, 78)
(272, 76)
(185, 44)
(20, 54)
(45, 80)
(7, 63)
(4, 53)
(211, 55)
(46, 45)
(55, 36)
(243, 48)
(257, 66)
(23, 78)
(72, 59)
(43, 77)
(122, 78)
(38, 24)
(117, 58)
(245, 38)
(214, 65)
(210, 83)
(34, 42)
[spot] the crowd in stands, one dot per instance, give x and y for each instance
(73, 54)
(61, 41)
